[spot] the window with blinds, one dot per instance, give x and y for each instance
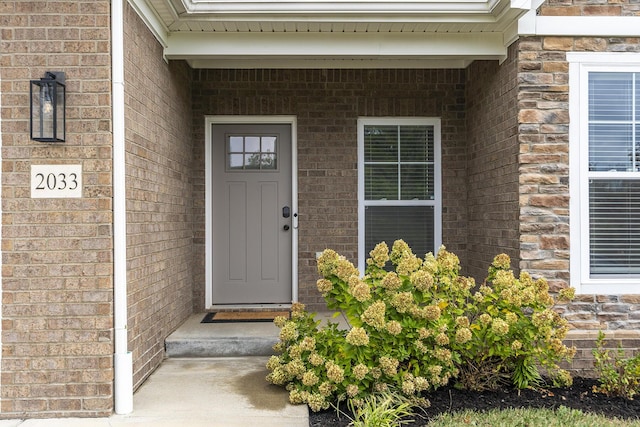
(613, 176)
(400, 184)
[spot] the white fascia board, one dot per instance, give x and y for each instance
(343, 6)
(596, 26)
(527, 4)
(511, 33)
(151, 20)
(515, 8)
(334, 45)
(527, 23)
(521, 4)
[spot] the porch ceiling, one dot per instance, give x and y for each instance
(334, 33)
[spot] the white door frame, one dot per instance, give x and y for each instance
(209, 121)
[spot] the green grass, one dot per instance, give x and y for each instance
(560, 417)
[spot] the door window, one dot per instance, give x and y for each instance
(252, 152)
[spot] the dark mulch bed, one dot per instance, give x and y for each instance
(448, 399)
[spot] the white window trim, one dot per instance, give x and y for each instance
(580, 65)
(436, 203)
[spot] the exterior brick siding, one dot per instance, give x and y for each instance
(159, 153)
(585, 342)
(492, 162)
(327, 104)
(57, 344)
(57, 336)
(505, 170)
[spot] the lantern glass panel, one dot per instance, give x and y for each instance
(47, 110)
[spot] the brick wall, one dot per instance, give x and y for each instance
(57, 270)
(327, 104)
(159, 152)
(585, 342)
(492, 162)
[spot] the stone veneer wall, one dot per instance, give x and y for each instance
(327, 104)
(57, 340)
(544, 159)
(159, 155)
(492, 162)
(543, 101)
(590, 8)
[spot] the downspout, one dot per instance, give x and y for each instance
(122, 360)
(0, 237)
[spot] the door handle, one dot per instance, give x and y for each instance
(286, 212)
(286, 227)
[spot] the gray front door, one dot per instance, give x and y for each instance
(252, 213)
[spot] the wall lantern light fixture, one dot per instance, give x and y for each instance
(48, 105)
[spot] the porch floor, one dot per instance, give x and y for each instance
(195, 339)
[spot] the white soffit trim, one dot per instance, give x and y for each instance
(296, 63)
(334, 33)
(603, 26)
(338, 49)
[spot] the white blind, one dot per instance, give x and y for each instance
(612, 99)
(399, 185)
(614, 184)
(413, 224)
(614, 226)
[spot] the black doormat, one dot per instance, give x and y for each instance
(242, 316)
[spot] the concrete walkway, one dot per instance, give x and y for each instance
(214, 376)
(199, 392)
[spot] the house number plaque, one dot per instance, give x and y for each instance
(56, 181)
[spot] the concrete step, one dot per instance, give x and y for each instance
(219, 347)
(195, 339)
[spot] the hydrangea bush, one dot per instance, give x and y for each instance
(418, 327)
